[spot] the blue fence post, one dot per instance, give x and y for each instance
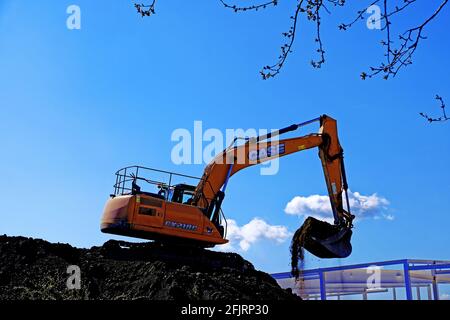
(435, 286)
(323, 288)
(407, 280)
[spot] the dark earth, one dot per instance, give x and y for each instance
(37, 269)
(311, 228)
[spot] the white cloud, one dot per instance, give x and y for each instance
(445, 296)
(247, 235)
(314, 205)
(372, 206)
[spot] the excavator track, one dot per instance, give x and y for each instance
(170, 253)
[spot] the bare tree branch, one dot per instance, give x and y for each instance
(312, 9)
(397, 57)
(398, 53)
(145, 10)
(249, 8)
(444, 114)
(271, 71)
(400, 56)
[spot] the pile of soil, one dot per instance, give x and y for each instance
(36, 269)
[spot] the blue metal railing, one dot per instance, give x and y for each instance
(436, 267)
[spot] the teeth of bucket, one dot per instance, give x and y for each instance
(325, 240)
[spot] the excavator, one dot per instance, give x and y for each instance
(191, 214)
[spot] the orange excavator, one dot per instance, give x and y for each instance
(191, 214)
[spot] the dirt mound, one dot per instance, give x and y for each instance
(36, 269)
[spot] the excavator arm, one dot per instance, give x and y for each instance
(335, 241)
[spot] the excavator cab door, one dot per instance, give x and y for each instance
(325, 240)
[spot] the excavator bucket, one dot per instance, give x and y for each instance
(324, 240)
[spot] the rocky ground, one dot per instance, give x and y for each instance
(36, 269)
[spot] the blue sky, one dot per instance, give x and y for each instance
(77, 105)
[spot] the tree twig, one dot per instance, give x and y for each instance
(401, 56)
(145, 10)
(444, 114)
(398, 53)
(255, 7)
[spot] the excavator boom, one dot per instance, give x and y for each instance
(318, 237)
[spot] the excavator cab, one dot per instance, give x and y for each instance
(179, 193)
(182, 193)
